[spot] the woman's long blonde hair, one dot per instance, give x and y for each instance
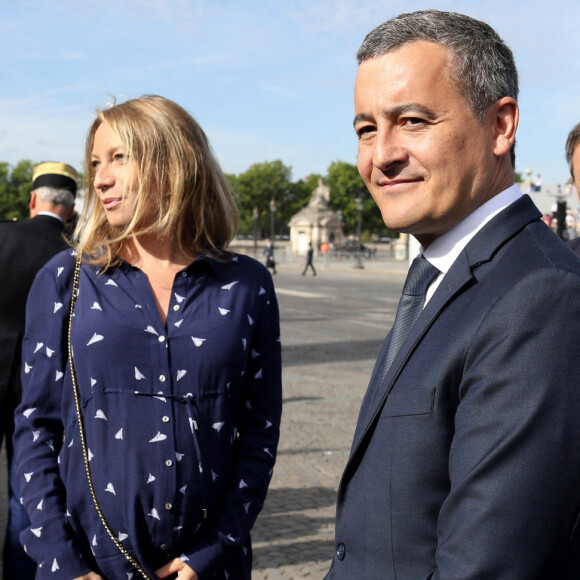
(177, 171)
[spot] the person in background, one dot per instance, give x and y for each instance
(573, 159)
(309, 255)
(466, 457)
(269, 253)
(24, 248)
(161, 403)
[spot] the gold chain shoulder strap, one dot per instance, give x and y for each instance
(122, 548)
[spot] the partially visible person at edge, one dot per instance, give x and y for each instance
(465, 462)
(24, 248)
(177, 356)
(573, 159)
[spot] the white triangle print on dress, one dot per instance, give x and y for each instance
(37, 531)
(55, 566)
(28, 412)
(111, 488)
(111, 283)
(230, 285)
(96, 338)
(39, 345)
(100, 415)
(181, 374)
(96, 306)
(119, 434)
(57, 307)
(154, 514)
(122, 536)
(198, 341)
(223, 311)
(139, 376)
(159, 437)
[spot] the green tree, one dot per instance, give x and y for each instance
(258, 186)
(15, 187)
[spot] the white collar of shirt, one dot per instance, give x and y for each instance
(443, 251)
(51, 215)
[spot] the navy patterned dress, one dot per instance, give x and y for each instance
(182, 419)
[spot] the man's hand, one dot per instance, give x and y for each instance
(90, 576)
(184, 572)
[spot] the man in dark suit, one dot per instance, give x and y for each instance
(465, 462)
(573, 159)
(24, 248)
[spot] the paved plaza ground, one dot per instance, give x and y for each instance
(332, 328)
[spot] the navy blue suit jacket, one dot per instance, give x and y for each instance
(466, 464)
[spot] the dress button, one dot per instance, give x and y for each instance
(175, 307)
(161, 339)
(168, 462)
(163, 547)
(165, 419)
(184, 274)
(168, 506)
(340, 551)
(162, 378)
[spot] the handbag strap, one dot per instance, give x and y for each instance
(128, 556)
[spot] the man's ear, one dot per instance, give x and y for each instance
(32, 202)
(506, 116)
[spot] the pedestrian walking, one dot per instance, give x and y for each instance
(309, 256)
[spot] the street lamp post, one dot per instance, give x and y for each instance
(255, 214)
(359, 209)
(272, 218)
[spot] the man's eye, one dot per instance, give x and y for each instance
(362, 132)
(413, 121)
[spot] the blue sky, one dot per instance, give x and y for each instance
(266, 80)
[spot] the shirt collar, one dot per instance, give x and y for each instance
(444, 250)
(49, 213)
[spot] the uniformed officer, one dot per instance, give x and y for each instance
(24, 248)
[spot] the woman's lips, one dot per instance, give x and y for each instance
(111, 202)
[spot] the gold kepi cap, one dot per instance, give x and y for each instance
(54, 174)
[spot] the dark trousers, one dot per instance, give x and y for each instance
(306, 268)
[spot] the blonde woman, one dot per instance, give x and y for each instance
(176, 360)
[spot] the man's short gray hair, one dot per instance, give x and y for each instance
(485, 69)
(571, 144)
(55, 195)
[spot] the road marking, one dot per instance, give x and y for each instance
(304, 294)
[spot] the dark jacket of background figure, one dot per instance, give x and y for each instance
(574, 245)
(467, 462)
(24, 248)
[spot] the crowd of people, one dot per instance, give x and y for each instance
(142, 358)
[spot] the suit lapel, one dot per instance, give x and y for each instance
(479, 250)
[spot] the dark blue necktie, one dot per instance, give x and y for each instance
(420, 275)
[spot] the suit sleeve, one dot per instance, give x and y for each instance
(39, 429)
(514, 462)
